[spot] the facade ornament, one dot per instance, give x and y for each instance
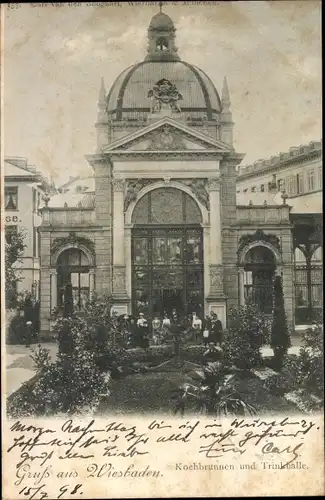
(167, 181)
(118, 184)
(199, 189)
(165, 139)
(133, 187)
(259, 235)
(118, 279)
(284, 197)
(73, 240)
(214, 182)
(46, 198)
(164, 94)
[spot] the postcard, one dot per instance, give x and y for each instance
(162, 281)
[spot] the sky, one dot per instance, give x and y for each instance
(56, 54)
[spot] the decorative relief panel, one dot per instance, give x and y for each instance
(199, 188)
(133, 187)
(259, 235)
(166, 206)
(166, 138)
(119, 279)
(216, 279)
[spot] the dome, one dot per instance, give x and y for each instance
(161, 80)
(128, 96)
(161, 22)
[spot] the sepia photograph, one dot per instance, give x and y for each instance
(162, 248)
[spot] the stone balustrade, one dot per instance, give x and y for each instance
(263, 215)
(69, 217)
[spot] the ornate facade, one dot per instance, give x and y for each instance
(161, 229)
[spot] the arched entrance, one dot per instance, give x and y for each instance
(73, 267)
(259, 270)
(167, 254)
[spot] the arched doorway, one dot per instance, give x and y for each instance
(167, 254)
(73, 267)
(259, 269)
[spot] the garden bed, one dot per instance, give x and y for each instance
(150, 393)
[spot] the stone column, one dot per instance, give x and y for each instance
(128, 263)
(119, 291)
(54, 288)
(91, 282)
(241, 286)
(216, 269)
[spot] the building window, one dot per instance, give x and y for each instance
(11, 198)
(320, 177)
(280, 184)
(262, 187)
(9, 232)
(269, 186)
(300, 183)
(291, 185)
(162, 44)
(311, 180)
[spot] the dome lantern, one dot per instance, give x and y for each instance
(161, 35)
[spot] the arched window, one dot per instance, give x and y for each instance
(73, 267)
(317, 255)
(162, 44)
(300, 257)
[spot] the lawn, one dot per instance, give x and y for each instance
(150, 393)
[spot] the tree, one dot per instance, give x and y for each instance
(14, 250)
(280, 336)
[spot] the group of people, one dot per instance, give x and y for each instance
(142, 332)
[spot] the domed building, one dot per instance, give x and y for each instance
(161, 230)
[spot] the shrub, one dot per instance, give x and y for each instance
(246, 335)
(280, 337)
(280, 383)
(307, 368)
(68, 385)
(213, 392)
(16, 329)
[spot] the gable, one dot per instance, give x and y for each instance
(166, 135)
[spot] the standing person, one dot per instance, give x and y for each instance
(156, 330)
(132, 333)
(142, 325)
(216, 329)
(206, 330)
(196, 325)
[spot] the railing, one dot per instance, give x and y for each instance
(70, 217)
(271, 215)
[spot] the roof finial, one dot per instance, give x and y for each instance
(225, 99)
(161, 6)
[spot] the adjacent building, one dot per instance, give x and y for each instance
(23, 188)
(298, 173)
(161, 225)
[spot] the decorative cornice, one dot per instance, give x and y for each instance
(276, 163)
